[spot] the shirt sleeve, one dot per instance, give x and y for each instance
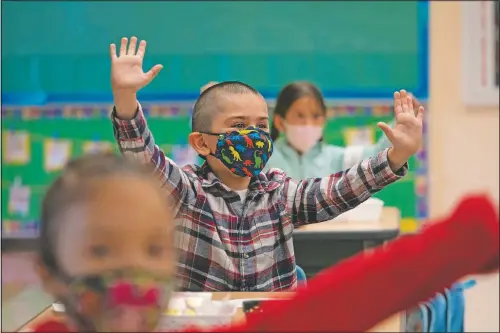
(368, 288)
(136, 142)
(322, 199)
(51, 326)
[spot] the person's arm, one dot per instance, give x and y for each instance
(322, 199)
(51, 326)
(366, 289)
(135, 141)
(129, 124)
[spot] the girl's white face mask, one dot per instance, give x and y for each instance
(303, 137)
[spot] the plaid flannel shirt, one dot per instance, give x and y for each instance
(228, 245)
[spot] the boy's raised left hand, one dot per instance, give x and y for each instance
(406, 136)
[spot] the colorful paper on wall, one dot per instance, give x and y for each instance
(10, 227)
(19, 198)
(93, 147)
(41, 129)
(16, 147)
(56, 154)
(20, 229)
(359, 136)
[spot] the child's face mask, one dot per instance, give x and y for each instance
(117, 301)
(303, 137)
(244, 152)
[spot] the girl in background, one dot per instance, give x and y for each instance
(299, 119)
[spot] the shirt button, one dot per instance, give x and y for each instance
(246, 256)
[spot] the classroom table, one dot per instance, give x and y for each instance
(321, 245)
(392, 324)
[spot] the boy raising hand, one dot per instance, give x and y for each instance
(234, 222)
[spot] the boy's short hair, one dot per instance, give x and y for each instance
(73, 186)
(206, 104)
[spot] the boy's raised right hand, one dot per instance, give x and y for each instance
(127, 76)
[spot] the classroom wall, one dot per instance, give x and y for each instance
(464, 141)
(464, 145)
(290, 42)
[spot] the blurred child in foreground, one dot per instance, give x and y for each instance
(107, 254)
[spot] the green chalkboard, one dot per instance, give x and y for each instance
(170, 125)
(350, 49)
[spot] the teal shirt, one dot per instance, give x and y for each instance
(322, 160)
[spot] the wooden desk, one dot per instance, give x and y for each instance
(321, 245)
(393, 324)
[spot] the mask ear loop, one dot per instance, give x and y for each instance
(83, 324)
(211, 154)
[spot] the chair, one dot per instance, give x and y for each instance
(301, 276)
(443, 313)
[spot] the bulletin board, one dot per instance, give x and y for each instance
(349, 49)
(37, 141)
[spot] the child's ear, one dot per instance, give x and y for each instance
(278, 123)
(198, 142)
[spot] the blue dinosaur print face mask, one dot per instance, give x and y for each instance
(244, 152)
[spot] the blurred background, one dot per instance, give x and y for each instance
(56, 97)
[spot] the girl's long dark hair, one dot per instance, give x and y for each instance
(289, 94)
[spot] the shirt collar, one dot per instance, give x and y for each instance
(260, 184)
